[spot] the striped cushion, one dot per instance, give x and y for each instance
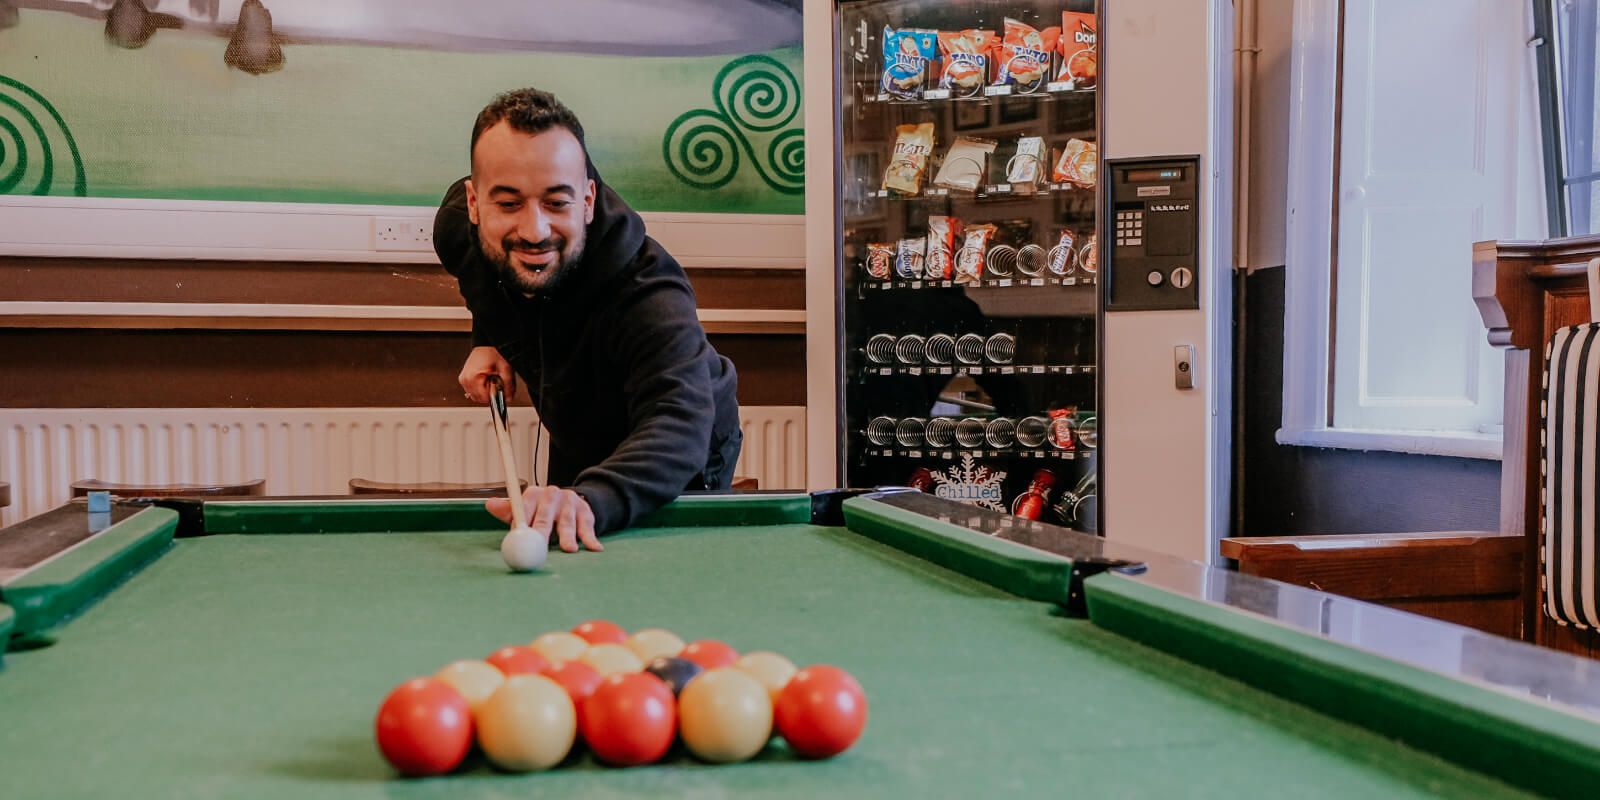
(1569, 561)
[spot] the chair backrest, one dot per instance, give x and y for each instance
(255, 488)
(1526, 292)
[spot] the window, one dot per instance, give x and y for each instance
(1414, 136)
(1571, 115)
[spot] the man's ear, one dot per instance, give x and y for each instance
(472, 202)
(588, 203)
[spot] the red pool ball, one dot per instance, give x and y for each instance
(424, 727)
(710, 654)
(821, 712)
(518, 660)
(598, 631)
(579, 679)
(630, 719)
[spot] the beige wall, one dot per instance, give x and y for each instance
(1269, 134)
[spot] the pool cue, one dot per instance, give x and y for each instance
(502, 432)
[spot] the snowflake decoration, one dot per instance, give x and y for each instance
(971, 483)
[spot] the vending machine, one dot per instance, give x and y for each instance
(1018, 286)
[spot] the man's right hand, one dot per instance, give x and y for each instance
(481, 363)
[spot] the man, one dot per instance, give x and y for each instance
(567, 292)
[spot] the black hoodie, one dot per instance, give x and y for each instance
(638, 405)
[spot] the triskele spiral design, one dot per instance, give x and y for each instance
(753, 95)
(38, 155)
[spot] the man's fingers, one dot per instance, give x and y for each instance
(542, 503)
(500, 508)
(586, 532)
(567, 525)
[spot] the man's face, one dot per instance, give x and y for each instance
(532, 200)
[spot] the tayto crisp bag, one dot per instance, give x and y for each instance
(966, 61)
(906, 54)
(1025, 56)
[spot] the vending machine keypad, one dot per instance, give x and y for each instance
(1151, 259)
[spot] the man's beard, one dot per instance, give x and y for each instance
(526, 280)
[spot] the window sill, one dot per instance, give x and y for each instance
(1460, 444)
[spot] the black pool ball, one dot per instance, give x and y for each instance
(675, 672)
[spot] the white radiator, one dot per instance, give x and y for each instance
(306, 451)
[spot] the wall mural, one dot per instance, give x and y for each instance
(689, 105)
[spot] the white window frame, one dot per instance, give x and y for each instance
(1309, 243)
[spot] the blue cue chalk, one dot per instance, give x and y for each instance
(99, 502)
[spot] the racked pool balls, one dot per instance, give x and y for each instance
(599, 631)
(725, 716)
(528, 724)
(424, 727)
(675, 672)
(518, 660)
(710, 653)
(821, 712)
(630, 719)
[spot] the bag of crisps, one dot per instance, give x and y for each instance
(913, 144)
(1079, 164)
(1025, 55)
(1080, 64)
(906, 54)
(966, 61)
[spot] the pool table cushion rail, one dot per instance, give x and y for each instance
(1525, 742)
(341, 515)
(1011, 567)
(60, 587)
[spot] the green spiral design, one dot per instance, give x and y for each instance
(702, 149)
(753, 96)
(31, 134)
(786, 156)
(757, 93)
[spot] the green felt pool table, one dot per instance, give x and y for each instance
(247, 657)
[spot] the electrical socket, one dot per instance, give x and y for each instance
(401, 233)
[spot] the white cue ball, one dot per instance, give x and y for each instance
(524, 549)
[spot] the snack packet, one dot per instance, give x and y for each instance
(1025, 55)
(941, 254)
(1080, 63)
(906, 54)
(1089, 257)
(912, 146)
(1079, 164)
(964, 165)
(1063, 255)
(971, 261)
(880, 260)
(1026, 169)
(908, 258)
(966, 61)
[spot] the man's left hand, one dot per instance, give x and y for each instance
(552, 508)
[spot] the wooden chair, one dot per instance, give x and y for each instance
(255, 488)
(743, 484)
(433, 488)
(1525, 292)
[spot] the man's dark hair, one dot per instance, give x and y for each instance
(529, 111)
